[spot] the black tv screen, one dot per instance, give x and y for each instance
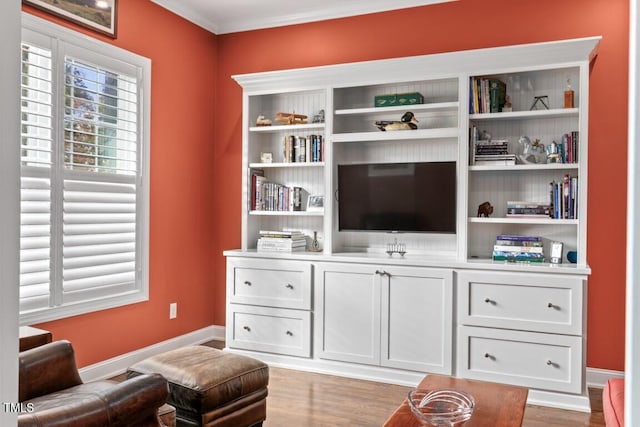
(404, 197)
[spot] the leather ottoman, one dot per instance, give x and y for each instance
(211, 387)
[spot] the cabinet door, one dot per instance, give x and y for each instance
(347, 310)
(417, 319)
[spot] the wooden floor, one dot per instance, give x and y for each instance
(305, 399)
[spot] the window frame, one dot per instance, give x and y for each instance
(63, 42)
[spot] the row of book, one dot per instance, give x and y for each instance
(303, 149)
(516, 248)
(281, 241)
(271, 196)
(486, 95)
(563, 197)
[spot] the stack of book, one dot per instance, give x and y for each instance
(528, 210)
(281, 241)
(492, 152)
(515, 248)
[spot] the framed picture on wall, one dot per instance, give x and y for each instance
(98, 15)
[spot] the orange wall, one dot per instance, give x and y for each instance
(182, 189)
(465, 24)
(196, 166)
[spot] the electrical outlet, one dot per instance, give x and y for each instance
(173, 310)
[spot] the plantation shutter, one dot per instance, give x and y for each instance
(100, 169)
(83, 230)
(36, 159)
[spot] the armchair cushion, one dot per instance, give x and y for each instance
(51, 387)
(47, 369)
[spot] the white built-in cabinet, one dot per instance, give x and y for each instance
(444, 307)
(384, 315)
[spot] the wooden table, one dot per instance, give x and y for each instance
(31, 337)
(497, 405)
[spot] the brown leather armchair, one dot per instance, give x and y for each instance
(52, 394)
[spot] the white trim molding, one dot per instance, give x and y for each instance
(119, 364)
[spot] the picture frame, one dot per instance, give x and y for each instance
(97, 15)
(315, 203)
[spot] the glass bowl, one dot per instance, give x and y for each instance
(441, 407)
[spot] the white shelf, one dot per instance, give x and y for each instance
(286, 128)
(285, 213)
(436, 106)
(536, 221)
(522, 167)
(400, 135)
(286, 165)
(534, 114)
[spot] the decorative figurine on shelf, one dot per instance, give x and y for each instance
(537, 100)
(262, 121)
(553, 153)
(406, 123)
(315, 245)
(568, 95)
(485, 209)
(291, 118)
(507, 104)
(531, 152)
(318, 118)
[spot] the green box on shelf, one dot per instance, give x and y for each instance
(394, 99)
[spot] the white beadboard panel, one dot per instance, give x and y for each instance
(523, 87)
(282, 221)
(304, 102)
(439, 90)
(482, 236)
(445, 149)
(499, 187)
(544, 130)
(443, 245)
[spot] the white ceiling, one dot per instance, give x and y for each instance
(229, 16)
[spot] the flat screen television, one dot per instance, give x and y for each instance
(403, 197)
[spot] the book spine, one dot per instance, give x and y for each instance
(518, 238)
(518, 249)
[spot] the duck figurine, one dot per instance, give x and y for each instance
(406, 123)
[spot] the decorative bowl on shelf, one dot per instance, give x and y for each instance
(441, 408)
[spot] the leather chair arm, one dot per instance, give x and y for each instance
(47, 369)
(134, 402)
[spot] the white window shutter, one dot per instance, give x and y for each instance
(84, 174)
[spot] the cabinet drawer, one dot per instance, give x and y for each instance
(274, 283)
(542, 361)
(537, 302)
(270, 330)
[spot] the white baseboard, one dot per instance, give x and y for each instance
(119, 364)
(599, 377)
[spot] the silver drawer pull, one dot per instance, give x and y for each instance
(289, 286)
(290, 333)
(489, 356)
(489, 301)
(552, 305)
(551, 363)
(246, 328)
(248, 283)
